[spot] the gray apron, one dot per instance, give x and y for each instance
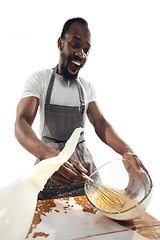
(59, 123)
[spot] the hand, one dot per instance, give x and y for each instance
(137, 176)
(137, 164)
(66, 177)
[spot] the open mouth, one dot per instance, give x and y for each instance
(74, 66)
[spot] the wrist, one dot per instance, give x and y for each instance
(127, 150)
(45, 152)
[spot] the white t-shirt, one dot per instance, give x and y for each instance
(63, 93)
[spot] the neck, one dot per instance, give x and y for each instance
(59, 69)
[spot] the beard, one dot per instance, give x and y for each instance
(66, 75)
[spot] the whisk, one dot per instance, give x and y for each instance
(110, 196)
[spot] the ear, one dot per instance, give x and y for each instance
(60, 44)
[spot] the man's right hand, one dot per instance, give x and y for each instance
(66, 177)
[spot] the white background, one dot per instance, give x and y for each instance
(123, 65)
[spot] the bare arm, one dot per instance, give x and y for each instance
(26, 112)
(105, 131)
(107, 134)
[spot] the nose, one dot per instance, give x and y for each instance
(80, 54)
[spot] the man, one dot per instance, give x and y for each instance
(65, 99)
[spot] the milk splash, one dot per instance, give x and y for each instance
(18, 200)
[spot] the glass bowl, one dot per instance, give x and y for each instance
(120, 175)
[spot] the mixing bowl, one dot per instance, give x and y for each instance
(120, 175)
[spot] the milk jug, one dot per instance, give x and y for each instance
(18, 200)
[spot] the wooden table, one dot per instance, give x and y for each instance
(75, 218)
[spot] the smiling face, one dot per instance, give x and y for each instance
(74, 49)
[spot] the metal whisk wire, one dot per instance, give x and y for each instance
(110, 196)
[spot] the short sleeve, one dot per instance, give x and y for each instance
(32, 87)
(92, 93)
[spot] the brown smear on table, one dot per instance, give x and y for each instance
(40, 234)
(46, 206)
(42, 208)
(145, 225)
(87, 207)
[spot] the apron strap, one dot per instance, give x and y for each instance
(81, 96)
(49, 90)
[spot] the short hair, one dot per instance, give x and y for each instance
(69, 22)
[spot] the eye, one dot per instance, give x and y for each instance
(74, 45)
(86, 50)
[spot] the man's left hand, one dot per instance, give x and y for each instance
(137, 175)
(137, 164)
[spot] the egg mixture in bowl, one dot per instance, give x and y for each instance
(130, 188)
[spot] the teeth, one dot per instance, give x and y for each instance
(76, 63)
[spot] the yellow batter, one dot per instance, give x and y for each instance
(102, 205)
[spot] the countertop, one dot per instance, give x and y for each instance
(74, 218)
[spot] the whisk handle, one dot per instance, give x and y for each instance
(68, 164)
